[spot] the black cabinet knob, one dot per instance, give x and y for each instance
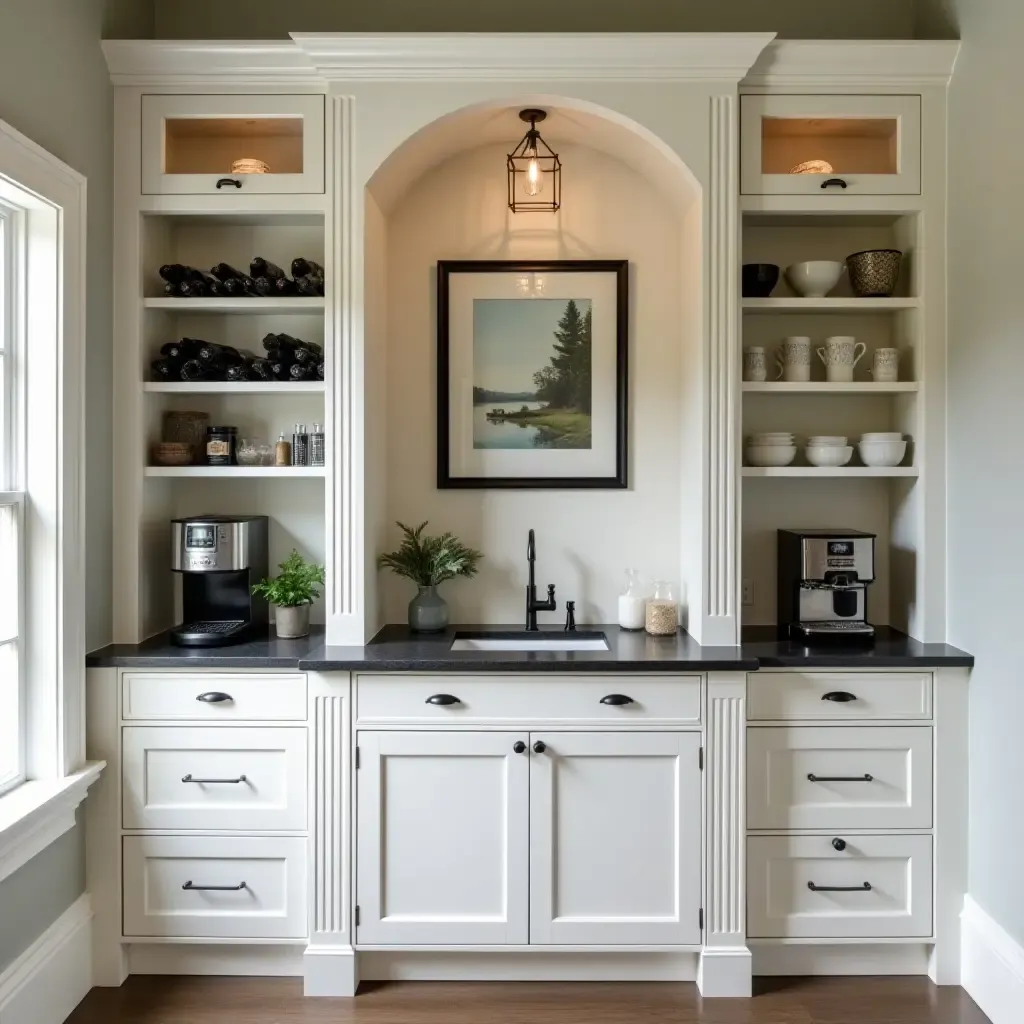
(839, 696)
(839, 844)
(617, 699)
(442, 700)
(214, 697)
(519, 747)
(539, 747)
(829, 182)
(222, 182)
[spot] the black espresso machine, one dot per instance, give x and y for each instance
(823, 580)
(219, 559)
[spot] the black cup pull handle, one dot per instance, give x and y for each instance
(866, 887)
(442, 700)
(811, 777)
(214, 888)
(839, 696)
(227, 182)
(519, 747)
(233, 782)
(539, 747)
(839, 844)
(617, 700)
(829, 182)
(214, 697)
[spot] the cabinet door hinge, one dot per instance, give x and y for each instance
(700, 918)
(700, 758)
(357, 757)
(357, 916)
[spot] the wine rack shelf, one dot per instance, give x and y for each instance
(235, 387)
(236, 472)
(251, 306)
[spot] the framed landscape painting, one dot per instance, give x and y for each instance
(532, 373)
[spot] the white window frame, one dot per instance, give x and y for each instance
(48, 417)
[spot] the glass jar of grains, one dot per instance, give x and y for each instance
(662, 611)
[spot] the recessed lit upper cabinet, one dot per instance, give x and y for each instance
(232, 145)
(825, 145)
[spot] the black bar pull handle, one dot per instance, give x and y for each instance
(192, 778)
(839, 696)
(866, 887)
(811, 777)
(617, 700)
(227, 182)
(214, 888)
(442, 700)
(214, 697)
(829, 182)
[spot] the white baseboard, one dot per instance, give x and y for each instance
(992, 968)
(846, 959)
(330, 971)
(205, 959)
(54, 974)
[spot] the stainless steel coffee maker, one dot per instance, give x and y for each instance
(823, 580)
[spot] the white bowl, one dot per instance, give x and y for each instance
(882, 453)
(771, 454)
(815, 278)
(822, 440)
(892, 435)
(770, 441)
(829, 455)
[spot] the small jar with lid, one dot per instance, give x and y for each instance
(221, 446)
(662, 611)
(632, 601)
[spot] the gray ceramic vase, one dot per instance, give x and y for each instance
(292, 621)
(428, 611)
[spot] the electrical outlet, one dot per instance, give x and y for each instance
(748, 592)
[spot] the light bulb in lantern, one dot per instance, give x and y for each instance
(534, 176)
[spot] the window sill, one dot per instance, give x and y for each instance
(36, 813)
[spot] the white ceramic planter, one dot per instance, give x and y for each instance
(293, 621)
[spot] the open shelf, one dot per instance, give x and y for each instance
(810, 472)
(841, 304)
(236, 472)
(234, 387)
(823, 387)
(253, 306)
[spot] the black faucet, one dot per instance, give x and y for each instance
(532, 604)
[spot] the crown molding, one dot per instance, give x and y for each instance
(577, 56)
(837, 63)
(173, 63)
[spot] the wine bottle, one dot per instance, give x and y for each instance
(170, 288)
(295, 350)
(306, 268)
(285, 286)
(226, 272)
(164, 369)
(320, 370)
(175, 273)
(309, 285)
(179, 351)
(240, 371)
(239, 287)
(264, 285)
(225, 354)
(193, 370)
(259, 267)
(259, 369)
(297, 371)
(280, 371)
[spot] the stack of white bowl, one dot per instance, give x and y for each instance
(771, 449)
(882, 449)
(828, 450)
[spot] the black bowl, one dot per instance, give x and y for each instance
(759, 279)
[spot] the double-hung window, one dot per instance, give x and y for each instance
(12, 500)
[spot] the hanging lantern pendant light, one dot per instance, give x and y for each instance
(534, 170)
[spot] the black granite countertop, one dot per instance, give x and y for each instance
(889, 649)
(396, 649)
(158, 652)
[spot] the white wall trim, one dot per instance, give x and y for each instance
(54, 974)
(821, 959)
(36, 813)
(992, 965)
(259, 961)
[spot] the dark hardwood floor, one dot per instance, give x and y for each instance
(163, 1000)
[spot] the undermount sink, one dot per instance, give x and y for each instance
(495, 641)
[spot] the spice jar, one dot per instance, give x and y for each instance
(221, 445)
(632, 601)
(662, 612)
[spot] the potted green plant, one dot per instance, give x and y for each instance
(291, 593)
(428, 562)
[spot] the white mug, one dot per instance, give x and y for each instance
(755, 365)
(793, 359)
(885, 365)
(840, 354)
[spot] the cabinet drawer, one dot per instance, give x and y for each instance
(214, 697)
(839, 777)
(827, 695)
(230, 779)
(781, 904)
(388, 701)
(189, 144)
(168, 880)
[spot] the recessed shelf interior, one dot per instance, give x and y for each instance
(210, 145)
(851, 145)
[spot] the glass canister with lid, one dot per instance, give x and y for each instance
(633, 601)
(662, 611)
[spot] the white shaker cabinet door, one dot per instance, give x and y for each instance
(443, 838)
(615, 834)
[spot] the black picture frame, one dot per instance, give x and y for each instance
(446, 269)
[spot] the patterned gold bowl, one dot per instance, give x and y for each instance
(874, 272)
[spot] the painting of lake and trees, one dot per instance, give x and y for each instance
(532, 373)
